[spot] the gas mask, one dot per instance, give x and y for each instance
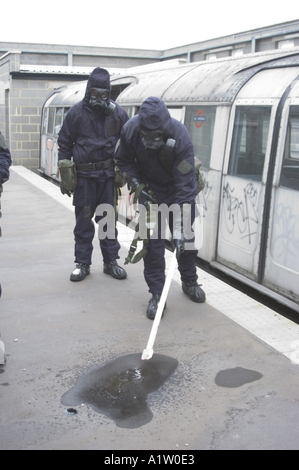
(99, 101)
(155, 141)
(152, 140)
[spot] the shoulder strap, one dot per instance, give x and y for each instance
(132, 257)
(166, 158)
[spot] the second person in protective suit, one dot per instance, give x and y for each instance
(89, 135)
(156, 156)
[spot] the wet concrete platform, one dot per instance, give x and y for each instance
(230, 389)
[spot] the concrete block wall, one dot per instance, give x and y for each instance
(35, 58)
(106, 62)
(26, 100)
(4, 117)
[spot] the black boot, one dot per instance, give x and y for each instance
(114, 270)
(81, 271)
(153, 306)
(193, 290)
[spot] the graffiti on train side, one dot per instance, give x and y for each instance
(241, 213)
(205, 193)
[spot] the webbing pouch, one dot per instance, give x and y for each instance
(68, 175)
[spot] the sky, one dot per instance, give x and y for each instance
(156, 24)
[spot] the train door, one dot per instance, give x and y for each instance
(207, 126)
(43, 140)
(282, 257)
(243, 190)
(49, 142)
(52, 122)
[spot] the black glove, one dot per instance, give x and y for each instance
(178, 239)
(145, 195)
(179, 245)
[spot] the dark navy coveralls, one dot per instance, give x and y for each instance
(91, 137)
(5, 163)
(177, 186)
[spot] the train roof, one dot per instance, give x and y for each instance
(216, 81)
(208, 81)
(67, 95)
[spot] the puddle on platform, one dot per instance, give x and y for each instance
(234, 378)
(119, 388)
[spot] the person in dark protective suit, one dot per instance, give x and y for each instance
(5, 163)
(89, 135)
(156, 150)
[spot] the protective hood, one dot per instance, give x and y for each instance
(99, 78)
(154, 115)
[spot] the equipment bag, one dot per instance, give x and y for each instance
(68, 175)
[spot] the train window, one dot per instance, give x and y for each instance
(51, 121)
(249, 142)
(129, 110)
(58, 120)
(290, 167)
(175, 113)
(65, 111)
(45, 121)
(200, 122)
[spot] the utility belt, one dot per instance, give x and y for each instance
(68, 172)
(95, 166)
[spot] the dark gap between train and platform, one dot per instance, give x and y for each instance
(269, 302)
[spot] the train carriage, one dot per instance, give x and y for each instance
(243, 117)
